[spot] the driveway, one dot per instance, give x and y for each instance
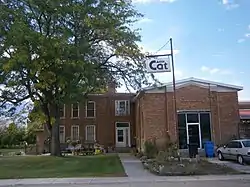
(231, 164)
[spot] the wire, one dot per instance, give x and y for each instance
(163, 46)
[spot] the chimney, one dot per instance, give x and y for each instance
(112, 87)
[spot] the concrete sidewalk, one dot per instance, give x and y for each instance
(116, 180)
(133, 166)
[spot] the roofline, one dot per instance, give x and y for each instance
(244, 102)
(239, 88)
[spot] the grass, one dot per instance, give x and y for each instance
(7, 151)
(58, 167)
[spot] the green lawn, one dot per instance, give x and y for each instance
(52, 167)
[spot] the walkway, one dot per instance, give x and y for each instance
(133, 166)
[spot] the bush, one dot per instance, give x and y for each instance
(150, 149)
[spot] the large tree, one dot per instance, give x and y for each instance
(57, 51)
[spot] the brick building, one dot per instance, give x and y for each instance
(206, 111)
(244, 126)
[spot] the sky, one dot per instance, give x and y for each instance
(211, 38)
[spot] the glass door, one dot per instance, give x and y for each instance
(194, 134)
(120, 137)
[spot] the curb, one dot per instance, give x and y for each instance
(118, 180)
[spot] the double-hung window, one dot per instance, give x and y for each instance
(90, 109)
(90, 133)
(122, 107)
(75, 110)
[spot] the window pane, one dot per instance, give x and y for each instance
(75, 113)
(90, 133)
(61, 134)
(192, 118)
(90, 106)
(182, 131)
(122, 124)
(120, 137)
(90, 113)
(75, 133)
(205, 127)
(61, 111)
(246, 143)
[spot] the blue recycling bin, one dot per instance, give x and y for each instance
(209, 149)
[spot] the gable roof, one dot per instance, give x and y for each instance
(188, 81)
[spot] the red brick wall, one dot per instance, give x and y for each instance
(224, 113)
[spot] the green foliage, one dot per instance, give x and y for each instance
(55, 52)
(13, 136)
(150, 149)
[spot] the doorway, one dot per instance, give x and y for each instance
(193, 134)
(122, 134)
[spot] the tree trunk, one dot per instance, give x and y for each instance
(55, 141)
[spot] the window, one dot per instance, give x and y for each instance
(182, 131)
(90, 109)
(122, 108)
(90, 132)
(75, 132)
(62, 134)
(246, 143)
(233, 144)
(193, 118)
(75, 110)
(205, 127)
(62, 111)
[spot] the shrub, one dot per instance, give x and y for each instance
(150, 149)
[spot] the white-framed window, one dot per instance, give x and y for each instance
(62, 133)
(90, 133)
(75, 110)
(75, 132)
(62, 111)
(122, 107)
(90, 109)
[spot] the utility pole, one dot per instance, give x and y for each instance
(174, 87)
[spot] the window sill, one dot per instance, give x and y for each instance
(75, 118)
(62, 118)
(91, 117)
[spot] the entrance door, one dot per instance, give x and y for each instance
(194, 134)
(122, 137)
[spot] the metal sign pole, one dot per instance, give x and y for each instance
(174, 88)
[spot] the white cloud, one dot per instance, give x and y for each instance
(214, 70)
(221, 30)
(152, 1)
(240, 40)
(230, 4)
(144, 20)
(247, 35)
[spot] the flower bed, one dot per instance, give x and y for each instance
(174, 167)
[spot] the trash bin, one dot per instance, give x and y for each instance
(193, 149)
(209, 149)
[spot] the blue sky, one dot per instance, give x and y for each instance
(211, 38)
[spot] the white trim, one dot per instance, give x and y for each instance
(78, 134)
(72, 111)
(86, 132)
(86, 109)
(203, 83)
(124, 128)
(63, 133)
(63, 117)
